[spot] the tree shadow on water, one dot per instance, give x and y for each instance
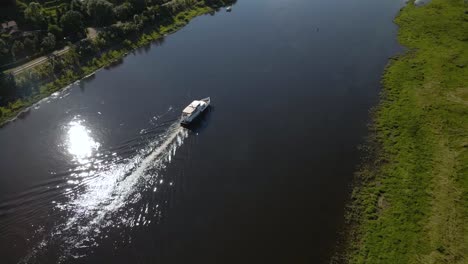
(24, 114)
(83, 82)
(146, 48)
(114, 64)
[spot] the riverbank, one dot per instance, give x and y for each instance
(410, 202)
(45, 82)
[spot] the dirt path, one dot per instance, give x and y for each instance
(38, 61)
(92, 33)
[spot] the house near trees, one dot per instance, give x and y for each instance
(9, 27)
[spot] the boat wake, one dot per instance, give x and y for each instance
(106, 193)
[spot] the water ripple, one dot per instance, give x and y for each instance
(104, 191)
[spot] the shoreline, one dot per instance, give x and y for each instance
(52, 96)
(105, 59)
(409, 201)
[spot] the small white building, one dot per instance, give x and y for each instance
(9, 27)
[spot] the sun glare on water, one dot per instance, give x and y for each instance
(80, 144)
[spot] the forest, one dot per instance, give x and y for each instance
(31, 29)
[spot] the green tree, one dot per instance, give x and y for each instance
(58, 14)
(86, 48)
(17, 49)
(72, 23)
(48, 42)
(76, 5)
(101, 11)
(3, 47)
(29, 46)
(123, 11)
(137, 20)
(4, 52)
(7, 85)
(34, 14)
(56, 30)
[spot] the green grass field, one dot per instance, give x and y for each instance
(411, 203)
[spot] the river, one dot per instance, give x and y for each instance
(103, 173)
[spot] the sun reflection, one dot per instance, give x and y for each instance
(79, 142)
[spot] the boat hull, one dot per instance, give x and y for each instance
(188, 120)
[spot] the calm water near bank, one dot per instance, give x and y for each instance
(102, 172)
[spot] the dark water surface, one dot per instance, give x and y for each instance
(102, 172)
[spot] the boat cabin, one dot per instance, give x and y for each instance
(194, 109)
(191, 108)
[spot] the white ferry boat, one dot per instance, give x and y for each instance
(229, 8)
(193, 110)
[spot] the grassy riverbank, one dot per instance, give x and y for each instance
(43, 81)
(410, 203)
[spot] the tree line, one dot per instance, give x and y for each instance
(49, 25)
(52, 28)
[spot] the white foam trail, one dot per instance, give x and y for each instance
(111, 189)
(109, 192)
